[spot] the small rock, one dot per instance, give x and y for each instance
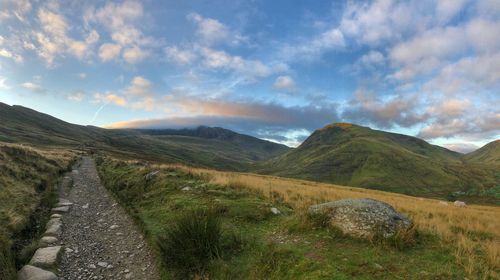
(53, 221)
(128, 276)
(92, 266)
(186, 189)
(126, 271)
(275, 211)
(46, 257)
(55, 216)
(378, 266)
(102, 264)
(85, 206)
(114, 226)
(68, 250)
(459, 204)
(151, 175)
(47, 240)
(54, 229)
(29, 272)
(62, 209)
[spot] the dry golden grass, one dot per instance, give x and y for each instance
(474, 231)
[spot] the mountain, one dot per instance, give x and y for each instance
(488, 154)
(353, 155)
(206, 147)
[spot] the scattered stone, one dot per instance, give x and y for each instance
(275, 211)
(128, 276)
(186, 189)
(363, 217)
(378, 266)
(68, 250)
(151, 175)
(62, 209)
(29, 272)
(85, 206)
(92, 266)
(46, 257)
(102, 264)
(47, 240)
(55, 216)
(114, 226)
(459, 204)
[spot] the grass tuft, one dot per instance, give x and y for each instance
(194, 240)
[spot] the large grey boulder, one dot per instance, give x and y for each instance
(46, 257)
(29, 272)
(363, 217)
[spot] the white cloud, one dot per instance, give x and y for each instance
(15, 9)
(6, 53)
(109, 97)
(211, 31)
(250, 70)
(140, 87)
(123, 21)
(134, 54)
(372, 58)
(77, 96)
(313, 48)
(53, 39)
(179, 56)
(3, 85)
(483, 35)
(285, 83)
(82, 76)
(36, 88)
(109, 51)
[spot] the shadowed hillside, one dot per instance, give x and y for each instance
(205, 146)
(359, 156)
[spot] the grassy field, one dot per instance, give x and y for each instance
(473, 232)
(450, 243)
(27, 180)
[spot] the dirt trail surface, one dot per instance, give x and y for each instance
(100, 239)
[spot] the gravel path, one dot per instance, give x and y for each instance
(100, 239)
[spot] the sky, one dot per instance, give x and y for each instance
(277, 70)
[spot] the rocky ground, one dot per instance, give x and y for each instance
(100, 240)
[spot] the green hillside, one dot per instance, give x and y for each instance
(488, 154)
(224, 149)
(353, 155)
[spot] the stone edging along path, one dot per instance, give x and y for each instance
(44, 261)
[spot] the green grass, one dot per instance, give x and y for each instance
(286, 246)
(27, 192)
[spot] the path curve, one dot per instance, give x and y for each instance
(101, 241)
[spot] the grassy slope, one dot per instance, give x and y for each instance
(276, 247)
(27, 177)
(488, 154)
(358, 156)
(23, 125)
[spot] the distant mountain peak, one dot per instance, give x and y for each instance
(342, 125)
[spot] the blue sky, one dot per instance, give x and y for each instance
(277, 70)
